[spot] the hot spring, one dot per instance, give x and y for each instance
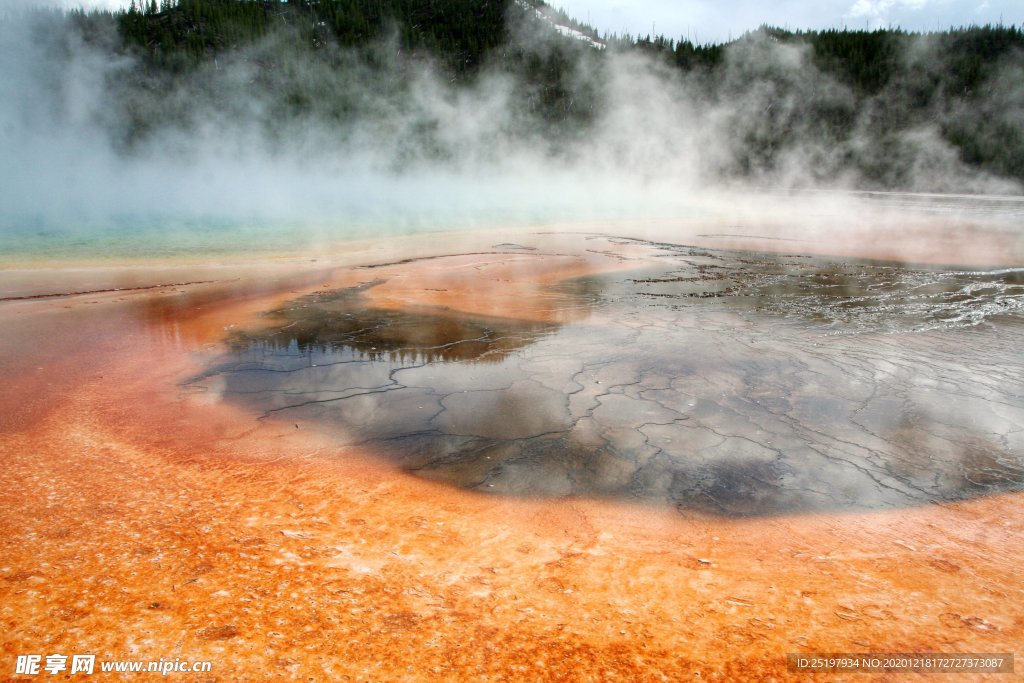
(726, 381)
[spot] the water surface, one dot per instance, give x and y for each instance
(727, 382)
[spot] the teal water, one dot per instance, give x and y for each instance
(406, 209)
(24, 240)
(132, 238)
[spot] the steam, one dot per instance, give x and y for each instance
(270, 134)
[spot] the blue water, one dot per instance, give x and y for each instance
(133, 237)
(381, 212)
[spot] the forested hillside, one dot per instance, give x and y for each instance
(872, 109)
(460, 32)
(968, 81)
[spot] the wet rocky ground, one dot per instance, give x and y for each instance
(732, 383)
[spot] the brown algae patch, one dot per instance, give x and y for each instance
(340, 321)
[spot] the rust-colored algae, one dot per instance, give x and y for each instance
(142, 520)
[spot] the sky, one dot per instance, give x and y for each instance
(705, 21)
(710, 21)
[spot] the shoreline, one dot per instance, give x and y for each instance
(975, 230)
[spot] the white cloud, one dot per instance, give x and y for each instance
(879, 12)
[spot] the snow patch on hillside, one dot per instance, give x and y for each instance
(549, 18)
